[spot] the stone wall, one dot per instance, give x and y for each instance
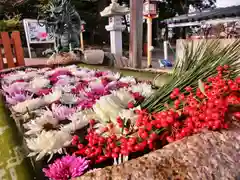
(210, 156)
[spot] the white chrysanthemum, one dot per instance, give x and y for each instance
(71, 67)
(20, 75)
(97, 84)
(48, 143)
(37, 125)
(143, 88)
(68, 98)
(124, 95)
(30, 75)
(83, 73)
(113, 76)
(67, 88)
(79, 120)
(49, 73)
(30, 104)
(37, 112)
(107, 108)
(39, 83)
(43, 70)
(128, 114)
(53, 97)
(14, 87)
(128, 79)
(64, 80)
(111, 85)
(14, 76)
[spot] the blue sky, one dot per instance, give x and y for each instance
(224, 3)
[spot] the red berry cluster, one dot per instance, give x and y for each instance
(191, 111)
(99, 148)
(206, 108)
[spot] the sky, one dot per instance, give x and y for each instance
(225, 3)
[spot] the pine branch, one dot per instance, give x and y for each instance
(197, 64)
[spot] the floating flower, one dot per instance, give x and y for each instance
(62, 112)
(143, 88)
(83, 73)
(66, 168)
(124, 95)
(59, 72)
(53, 97)
(44, 91)
(128, 79)
(79, 120)
(30, 74)
(46, 121)
(80, 87)
(63, 81)
(28, 116)
(11, 77)
(39, 83)
(129, 114)
(85, 104)
(43, 70)
(111, 75)
(67, 88)
(15, 88)
(69, 99)
(71, 67)
(17, 97)
(96, 85)
(48, 143)
(107, 108)
(112, 85)
(30, 104)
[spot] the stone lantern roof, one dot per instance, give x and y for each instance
(115, 9)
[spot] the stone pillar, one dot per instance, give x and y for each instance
(115, 27)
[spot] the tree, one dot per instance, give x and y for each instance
(12, 3)
(167, 9)
(170, 8)
(89, 11)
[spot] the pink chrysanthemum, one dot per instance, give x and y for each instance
(66, 168)
(62, 112)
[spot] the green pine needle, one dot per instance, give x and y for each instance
(197, 64)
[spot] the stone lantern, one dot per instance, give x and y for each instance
(149, 12)
(115, 12)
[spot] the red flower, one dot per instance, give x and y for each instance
(42, 92)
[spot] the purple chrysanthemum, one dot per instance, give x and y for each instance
(66, 168)
(15, 88)
(17, 97)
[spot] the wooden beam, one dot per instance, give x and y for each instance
(136, 33)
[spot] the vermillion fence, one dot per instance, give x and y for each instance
(11, 51)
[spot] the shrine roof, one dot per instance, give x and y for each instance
(226, 12)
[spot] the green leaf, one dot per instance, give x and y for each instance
(201, 87)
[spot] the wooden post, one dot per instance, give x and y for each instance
(81, 40)
(149, 39)
(136, 30)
